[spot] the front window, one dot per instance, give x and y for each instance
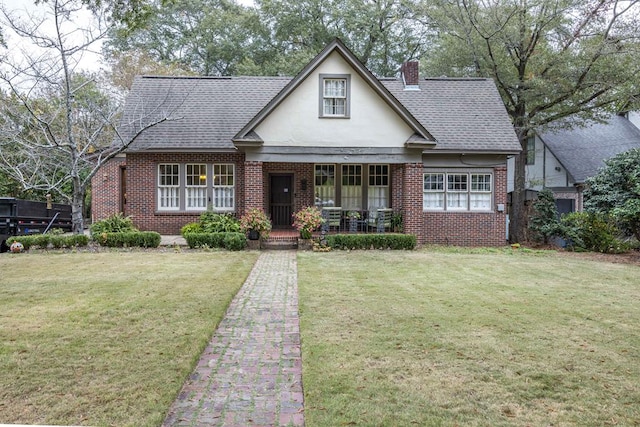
(334, 91)
(196, 187)
(433, 196)
(457, 191)
(378, 191)
(168, 187)
(480, 195)
(325, 185)
(351, 187)
(224, 187)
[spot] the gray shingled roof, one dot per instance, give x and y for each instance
(205, 112)
(462, 114)
(583, 150)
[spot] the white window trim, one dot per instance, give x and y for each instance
(468, 192)
(321, 97)
(199, 186)
(231, 208)
(182, 188)
(160, 187)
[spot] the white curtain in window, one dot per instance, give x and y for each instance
(169, 197)
(196, 197)
(378, 197)
(223, 197)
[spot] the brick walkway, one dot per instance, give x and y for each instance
(251, 372)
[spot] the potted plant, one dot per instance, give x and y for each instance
(256, 224)
(353, 216)
(307, 220)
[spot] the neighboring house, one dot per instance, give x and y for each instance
(434, 150)
(563, 159)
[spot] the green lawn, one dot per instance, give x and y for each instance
(425, 338)
(107, 338)
(473, 338)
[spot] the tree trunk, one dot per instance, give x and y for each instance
(77, 207)
(518, 215)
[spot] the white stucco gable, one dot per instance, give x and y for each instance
(373, 118)
(297, 121)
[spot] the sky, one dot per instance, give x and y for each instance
(91, 61)
(25, 8)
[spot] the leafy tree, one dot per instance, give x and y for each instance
(550, 59)
(382, 33)
(544, 222)
(276, 37)
(615, 190)
(206, 37)
(60, 125)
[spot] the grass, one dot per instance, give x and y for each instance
(438, 337)
(107, 338)
(469, 337)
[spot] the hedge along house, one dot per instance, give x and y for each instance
(434, 150)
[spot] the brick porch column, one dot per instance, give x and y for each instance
(253, 186)
(412, 200)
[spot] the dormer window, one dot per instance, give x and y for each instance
(335, 92)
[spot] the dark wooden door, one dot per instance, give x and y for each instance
(123, 190)
(281, 200)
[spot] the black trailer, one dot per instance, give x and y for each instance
(26, 217)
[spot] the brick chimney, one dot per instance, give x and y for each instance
(410, 75)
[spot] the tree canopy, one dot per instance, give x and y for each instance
(276, 37)
(549, 58)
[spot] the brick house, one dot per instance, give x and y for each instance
(434, 150)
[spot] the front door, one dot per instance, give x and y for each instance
(281, 200)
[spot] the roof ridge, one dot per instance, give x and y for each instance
(154, 76)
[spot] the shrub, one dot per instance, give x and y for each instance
(592, 232)
(192, 227)
(56, 241)
(116, 223)
(142, 239)
(235, 241)
(212, 222)
(372, 241)
(231, 241)
(544, 222)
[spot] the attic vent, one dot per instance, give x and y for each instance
(410, 75)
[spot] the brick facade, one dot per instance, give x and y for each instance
(106, 189)
(252, 190)
(470, 228)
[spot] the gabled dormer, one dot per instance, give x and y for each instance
(335, 102)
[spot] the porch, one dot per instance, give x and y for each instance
(338, 221)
